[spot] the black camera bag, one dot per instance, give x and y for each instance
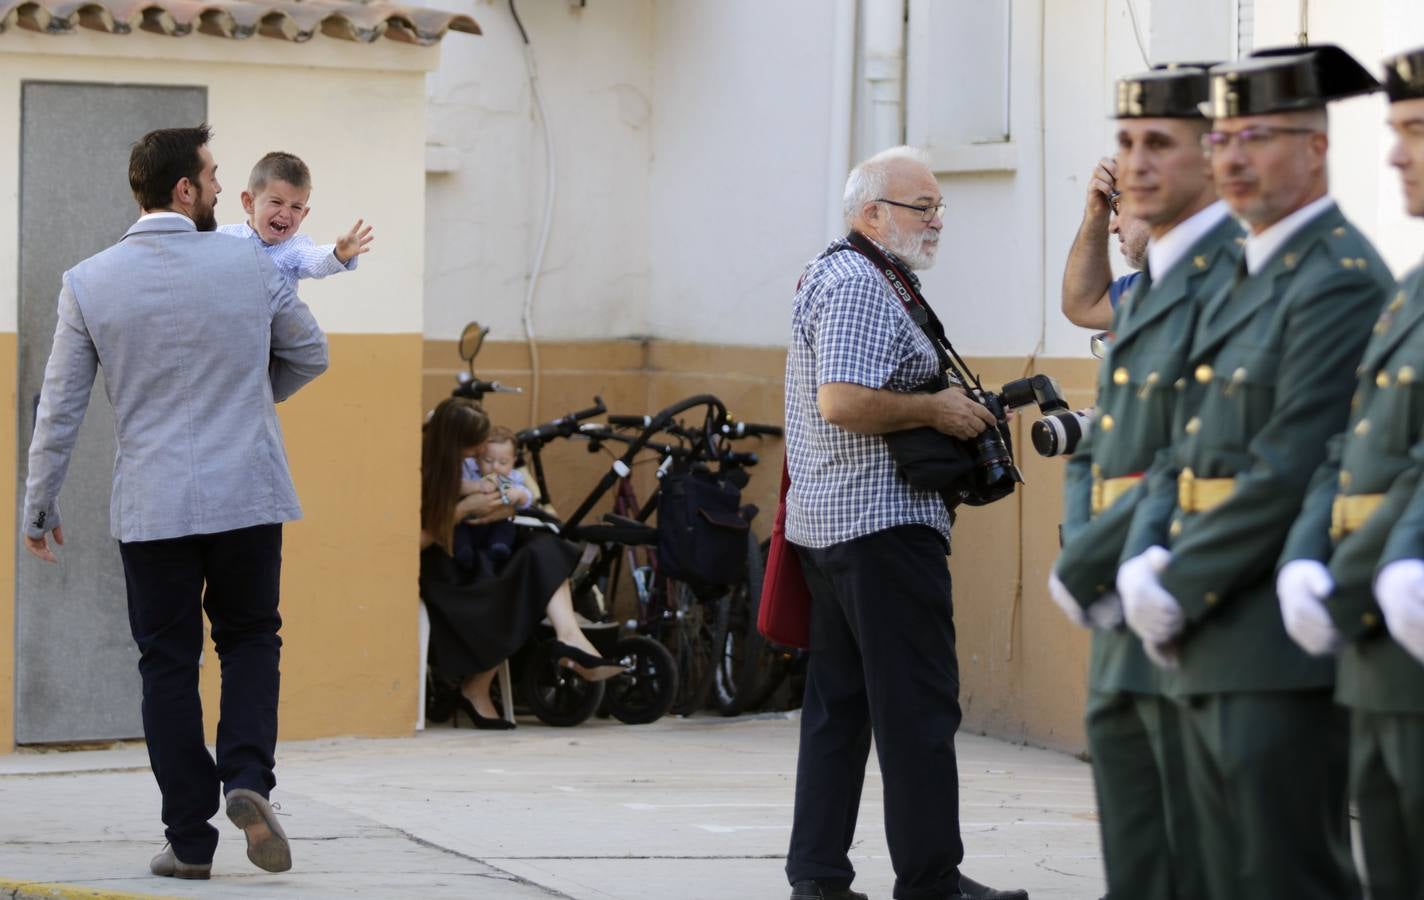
(702, 535)
(930, 460)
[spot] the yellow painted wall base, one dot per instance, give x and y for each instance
(349, 570)
(350, 566)
(1022, 666)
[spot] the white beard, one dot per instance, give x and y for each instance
(917, 252)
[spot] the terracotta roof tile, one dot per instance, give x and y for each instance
(288, 20)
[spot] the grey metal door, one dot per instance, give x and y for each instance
(76, 673)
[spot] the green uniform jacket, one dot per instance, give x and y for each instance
(1275, 358)
(1136, 398)
(1379, 453)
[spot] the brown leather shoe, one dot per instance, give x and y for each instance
(267, 845)
(167, 864)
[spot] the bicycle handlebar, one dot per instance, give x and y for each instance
(563, 426)
(750, 429)
(475, 389)
(630, 421)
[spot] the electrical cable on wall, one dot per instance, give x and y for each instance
(527, 310)
(1137, 33)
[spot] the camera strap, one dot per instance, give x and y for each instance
(906, 290)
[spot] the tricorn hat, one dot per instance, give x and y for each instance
(1286, 79)
(1404, 76)
(1173, 91)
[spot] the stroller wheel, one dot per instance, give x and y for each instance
(647, 690)
(555, 693)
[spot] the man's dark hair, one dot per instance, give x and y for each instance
(161, 159)
(279, 166)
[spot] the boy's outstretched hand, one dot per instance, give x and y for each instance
(354, 242)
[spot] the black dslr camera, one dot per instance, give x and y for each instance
(994, 471)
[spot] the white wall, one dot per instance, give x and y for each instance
(701, 145)
(595, 68)
(742, 111)
(250, 85)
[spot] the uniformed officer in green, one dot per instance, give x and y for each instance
(1272, 366)
(1149, 835)
(1365, 512)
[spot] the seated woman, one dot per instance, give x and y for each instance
(478, 622)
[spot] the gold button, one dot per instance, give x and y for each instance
(1362, 428)
(1382, 326)
(1204, 373)
(1339, 231)
(1120, 376)
(1193, 425)
(1180, 384)
(1345, 479)
(1176, 529)
(1405, 375)
(1239, 375)
(1199, 262)
(1360, 263)
(1397, 303)
(1211, 598)
(1107, 423)
(1290, 260)
(1348, 263)
(1370, 619)
(1382, 379)
(1153, 378)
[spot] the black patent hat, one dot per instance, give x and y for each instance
(1404, 76)
(1175, 91)
(1286, 79)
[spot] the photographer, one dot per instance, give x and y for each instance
(1090, 293)
(873, 548)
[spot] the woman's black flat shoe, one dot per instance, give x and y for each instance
(484, 723)
(560, 650)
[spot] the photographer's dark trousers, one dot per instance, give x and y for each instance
(234, 576)
(882, 661)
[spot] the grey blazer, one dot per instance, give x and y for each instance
(199, 336)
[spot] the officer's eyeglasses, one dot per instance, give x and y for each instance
(1252, 138)
(927, 213)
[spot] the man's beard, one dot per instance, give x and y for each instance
(205, 217)
(911, 249)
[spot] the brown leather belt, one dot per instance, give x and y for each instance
(1106, 491)
(1350, 511)
(1198, 495)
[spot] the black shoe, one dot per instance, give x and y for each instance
(560, 650)
(969, 888)
(810, 890)
(484, 723)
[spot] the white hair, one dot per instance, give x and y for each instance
(867, 181)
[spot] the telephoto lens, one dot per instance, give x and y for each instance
(1058, 434)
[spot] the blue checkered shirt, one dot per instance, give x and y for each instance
(296, 257)
(848, 326)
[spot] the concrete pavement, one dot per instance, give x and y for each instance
(683, 808)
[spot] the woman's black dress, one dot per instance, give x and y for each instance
(478, 622)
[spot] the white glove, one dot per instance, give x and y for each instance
(1105, 613)
(1064, 600)
(1150, 611)
(1302, 587)
(1399, 588)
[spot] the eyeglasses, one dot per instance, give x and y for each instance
(927, 213)
(1252, 137)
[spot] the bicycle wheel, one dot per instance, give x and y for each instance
(555, 693)
(696, 639)
(647, 690)
(748, 669)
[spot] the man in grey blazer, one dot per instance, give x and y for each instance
(198, 336)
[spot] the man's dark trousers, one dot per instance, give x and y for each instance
(882, 661)
(234, 576)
